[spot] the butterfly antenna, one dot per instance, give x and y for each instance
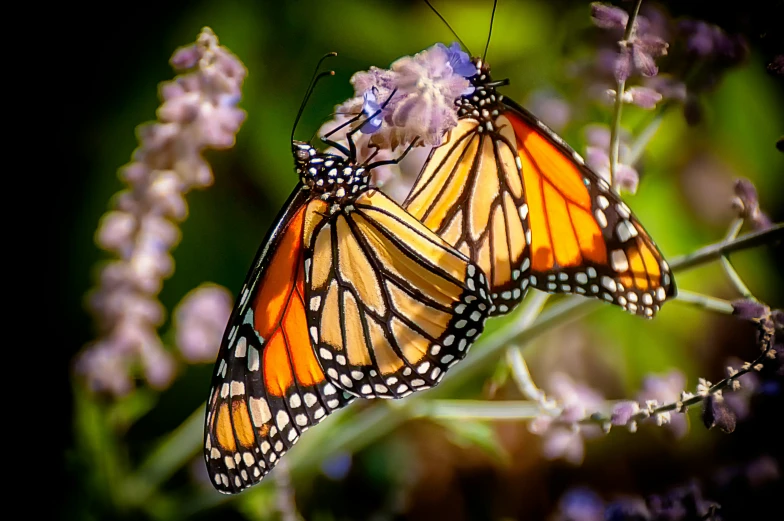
(448, 26)
(313, 81)
(490, 32)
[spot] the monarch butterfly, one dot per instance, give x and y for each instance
(510, 194)
(348, 296)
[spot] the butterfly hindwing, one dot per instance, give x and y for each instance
(393, 306)
(268, 387)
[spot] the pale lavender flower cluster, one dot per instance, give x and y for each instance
(199, 111)
(665, 388)
(199, 321)
(563, 437)
(639, 51)
(412, 100)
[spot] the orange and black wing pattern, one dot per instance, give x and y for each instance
(584, 238)
(470, 192)
(268, 387)
(393, 305)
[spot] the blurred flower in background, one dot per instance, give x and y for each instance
(199, 111)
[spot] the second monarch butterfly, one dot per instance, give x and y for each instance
(509, 193)
(348, 296)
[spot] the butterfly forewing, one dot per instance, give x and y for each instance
(584, 238)
(470, 193)
(268, 387)
(394, 306)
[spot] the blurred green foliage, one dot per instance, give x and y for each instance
(532, 44)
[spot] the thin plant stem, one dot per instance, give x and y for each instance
(645, 136)
(704, 302)
(729, 269)
(525, 382)
(687, 399)
(714, 251)
(615, 128)
(735, 279)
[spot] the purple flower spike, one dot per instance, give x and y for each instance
(643, 97)
(199, 111)
(459, 60)
(372, 110)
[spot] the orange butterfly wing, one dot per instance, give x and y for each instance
(394, 306)
(470, 193)
(584, 238)
(268, 387)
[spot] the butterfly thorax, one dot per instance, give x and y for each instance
(330, 177)
(484, 103)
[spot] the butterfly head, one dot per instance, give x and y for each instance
(332, 177)
(484, 102)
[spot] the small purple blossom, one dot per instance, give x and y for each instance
(640, 50)
(460, 62)
(666, 388)
(746, 309)
(622, 412)
(198, 112)
(563, 437)
(608, 17)
(643, 97)
(716, 413)
(746, 203)
(372, 110)
(199, 320)
(706, 40)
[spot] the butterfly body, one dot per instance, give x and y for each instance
(510, 194)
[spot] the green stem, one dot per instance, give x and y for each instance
(639, 145)
(715, 251)
(735, 279)
(615, 128)
(524, 381)
(733, 231)
(705, 302)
